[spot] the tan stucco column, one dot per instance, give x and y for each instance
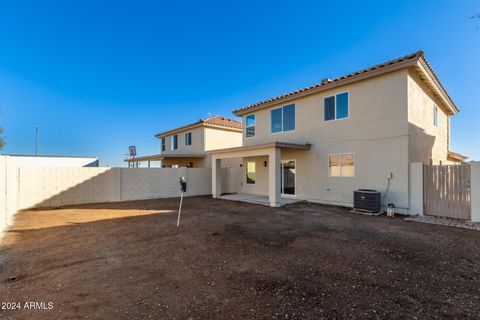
(274, 157)
(216, 177)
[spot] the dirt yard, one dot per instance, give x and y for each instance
(231, 260)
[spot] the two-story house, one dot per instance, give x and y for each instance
(361, 130)
(188, 146)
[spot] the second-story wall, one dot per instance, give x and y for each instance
(428, 142)
(377, 110)
(221, 139)
(197, 146)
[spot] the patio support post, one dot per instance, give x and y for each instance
(274, 177)
(216, 177)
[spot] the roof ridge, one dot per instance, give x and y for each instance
(221, 121)
(416, 54)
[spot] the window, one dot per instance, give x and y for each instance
(250, 125)
(173, 142)
(251, 175)
(435, 116)
(188, 139)
(336, 107)
(163, 144)
(283, 119)
(341, 165)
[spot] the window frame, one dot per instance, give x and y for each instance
(188, 134)
(341, 166)
(246, 173)
(163, 144)
(435, 115)
(282, 108)
(254, 125)
(335, 95)
(173, 143)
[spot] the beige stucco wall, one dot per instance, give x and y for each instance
(376, 131)
(197, 147)
(221, 139)
(426, 140)
(261, 184)
(204, 139)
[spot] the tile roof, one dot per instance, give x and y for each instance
(215, 121)
(223, 122)
(328, 82)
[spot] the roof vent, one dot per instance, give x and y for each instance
(326, 80)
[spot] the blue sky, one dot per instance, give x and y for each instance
(98, 76)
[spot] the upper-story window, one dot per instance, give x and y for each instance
(188, 139)
(250, 125)
(435, 116)
(336, 107)
(163, 144)
(173, 142)
(283, 119)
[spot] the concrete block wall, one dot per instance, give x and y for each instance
(44, 187)
(30, 187)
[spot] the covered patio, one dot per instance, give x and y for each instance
(182, 160)
(273, 152)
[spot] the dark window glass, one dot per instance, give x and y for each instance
(250, 125)
(342, 105)
(188, 138)
(163, 144)
(174, 142)
(329, 108)
(289, 117)
(276, 116)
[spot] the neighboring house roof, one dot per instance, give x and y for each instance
(416, 60)
(213, 122)
(455, 156)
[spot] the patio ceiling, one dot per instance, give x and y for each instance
(158, 157)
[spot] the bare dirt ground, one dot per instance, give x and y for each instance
(231, 260)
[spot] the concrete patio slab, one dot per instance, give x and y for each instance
(257, 199)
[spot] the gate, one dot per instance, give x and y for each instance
(446, 191)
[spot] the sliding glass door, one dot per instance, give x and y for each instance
(287, 177)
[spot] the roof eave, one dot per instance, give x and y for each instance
(194, 126)
(423, 65)
(331, 85)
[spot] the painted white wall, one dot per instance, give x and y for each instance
(475, 190)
